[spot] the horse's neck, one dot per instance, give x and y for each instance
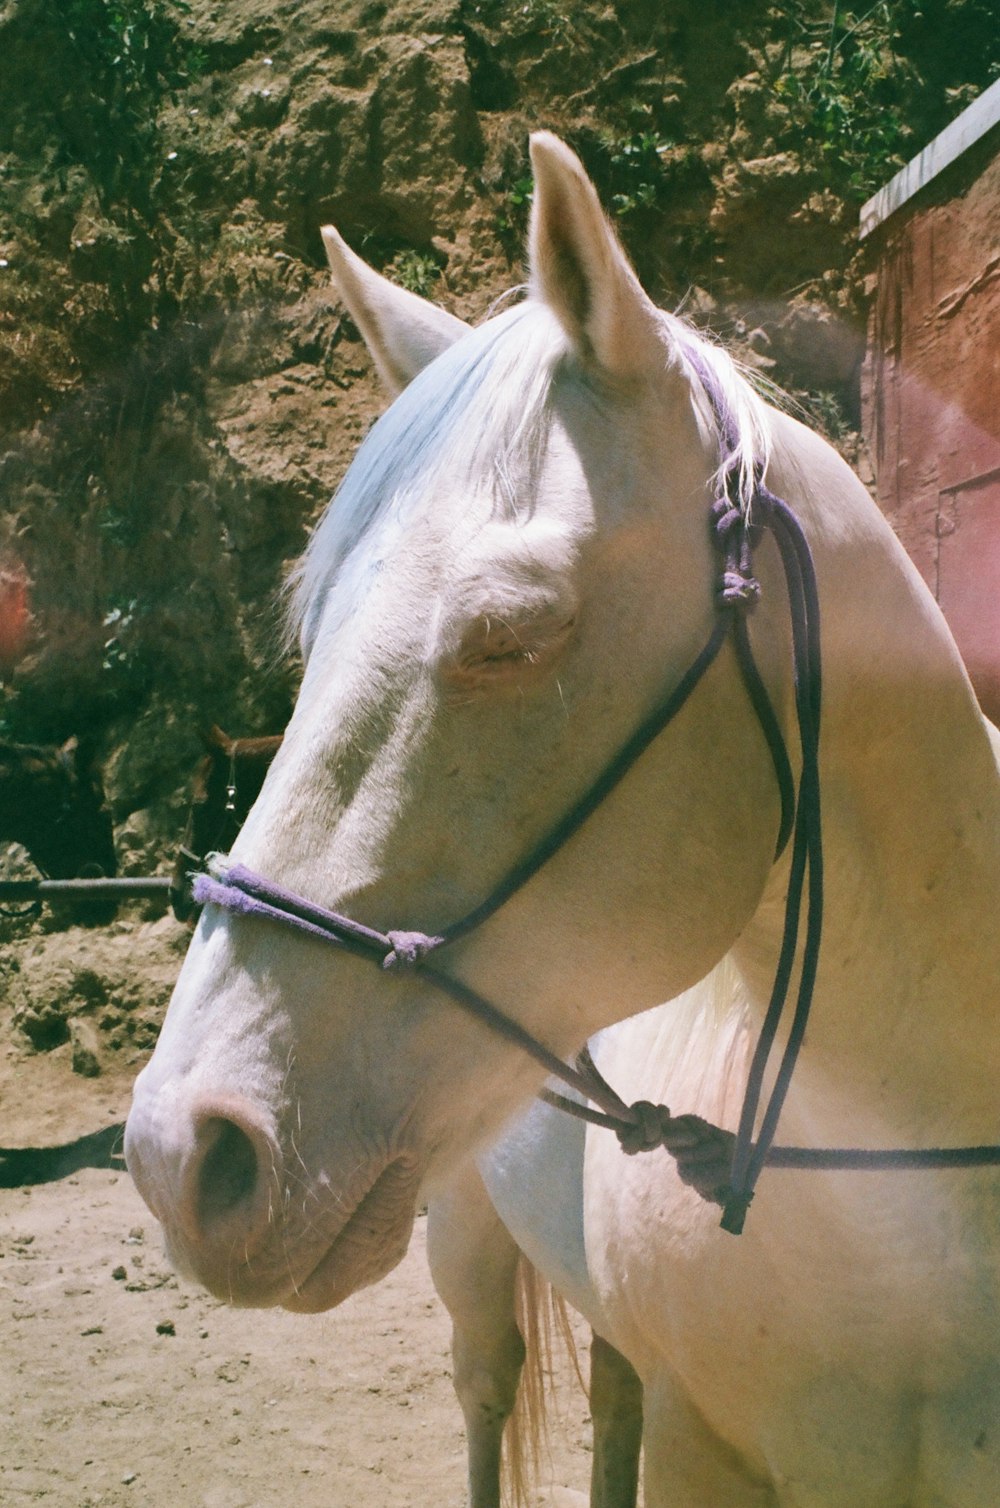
(910, 956)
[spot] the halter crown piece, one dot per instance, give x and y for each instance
(722, 1166)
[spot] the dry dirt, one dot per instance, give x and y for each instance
(121, 1386)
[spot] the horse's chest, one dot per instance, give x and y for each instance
(841, 1363)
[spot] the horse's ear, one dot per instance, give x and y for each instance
(580, 270)
(402, 331)
(215, 741)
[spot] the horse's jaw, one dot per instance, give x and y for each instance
(310, 1270)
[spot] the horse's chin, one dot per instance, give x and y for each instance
(368, 1245)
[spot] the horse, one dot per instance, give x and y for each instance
(527, 766)
(478, 1271)
(52, 802)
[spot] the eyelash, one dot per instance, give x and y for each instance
(488, 662)
(503, 652)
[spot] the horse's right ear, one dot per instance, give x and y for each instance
(402, 331)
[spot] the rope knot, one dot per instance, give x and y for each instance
(647, 1131)
(703, 1152)
(409, 949)
(738, 588)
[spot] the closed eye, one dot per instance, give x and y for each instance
(497, 651)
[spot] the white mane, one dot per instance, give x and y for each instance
(731, 397)
(479, 412)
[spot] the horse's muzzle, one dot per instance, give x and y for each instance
(212, 1174)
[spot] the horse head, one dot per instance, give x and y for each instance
(515, 569)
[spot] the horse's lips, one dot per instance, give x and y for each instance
(367, 1246)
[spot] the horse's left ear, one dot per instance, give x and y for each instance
(402, 331)
(580, 270)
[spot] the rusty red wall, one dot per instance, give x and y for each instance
(931, 400)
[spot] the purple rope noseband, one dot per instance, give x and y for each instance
(724, 1167)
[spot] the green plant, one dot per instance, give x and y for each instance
(542, 18)
(415, 270)
(637, 171)
(845, 87)
(514, 209)
(118, 653)
(123, 56)
(115, 65)
(195, 64)
(825, 411)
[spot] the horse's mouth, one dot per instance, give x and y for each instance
(367, 1246)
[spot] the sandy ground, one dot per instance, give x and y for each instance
(123, 1387)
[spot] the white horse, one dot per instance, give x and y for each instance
(516, 567)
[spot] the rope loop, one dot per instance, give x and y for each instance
(726, 517)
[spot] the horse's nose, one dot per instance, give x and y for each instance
(211, 1173)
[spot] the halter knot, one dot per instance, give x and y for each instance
(703, 1152)
(409, 949)
(738, 589)
(738, 586)
(647, 1130)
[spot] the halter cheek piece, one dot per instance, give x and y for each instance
(722, 1166)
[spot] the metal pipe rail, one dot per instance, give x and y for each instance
(132, 887)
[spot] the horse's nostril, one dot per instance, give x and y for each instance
(210, 1168)
(228, 1173)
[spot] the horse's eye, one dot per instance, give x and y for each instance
(495, 651)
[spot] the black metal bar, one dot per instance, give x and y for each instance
(41, 890)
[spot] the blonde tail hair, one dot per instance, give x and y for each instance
(543, 1320)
